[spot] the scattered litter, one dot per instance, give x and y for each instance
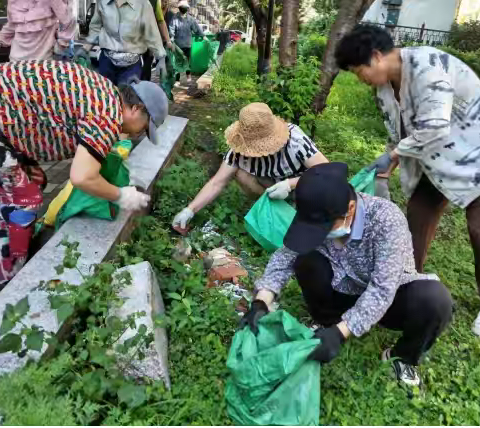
(180, 230)
(223, 266)
(183, 251)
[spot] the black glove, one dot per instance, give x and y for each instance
(257, 310)
(332, 339)
(381, 164)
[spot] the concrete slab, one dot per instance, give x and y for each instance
(144, 295)
(97, 239)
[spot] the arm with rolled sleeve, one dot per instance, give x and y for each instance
(389, 253)
(7, 34)
(67, 28)
(196, 28)
(433, 98)
(153, 39)
(278, 271)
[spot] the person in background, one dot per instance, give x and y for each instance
(181, 29)
(35, 29)
(430, 103)
(353, 258)
(124, 30)
(84, 115)
(265, 153)
(158, 8)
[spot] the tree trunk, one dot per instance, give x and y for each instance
(349, 14)
(261, 46)
(253, 43)
(268, 39)
(260, 20)
(289, 33)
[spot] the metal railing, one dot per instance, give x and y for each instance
(404, 35)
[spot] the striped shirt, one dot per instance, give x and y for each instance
(47, 108)
(288, 162)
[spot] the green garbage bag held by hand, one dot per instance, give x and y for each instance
(115, 172)
(268, 220)
(271, 381)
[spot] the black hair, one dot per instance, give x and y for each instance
(356, 48)
(130, 97)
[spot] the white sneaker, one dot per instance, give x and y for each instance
(476, 325)
(404, 372)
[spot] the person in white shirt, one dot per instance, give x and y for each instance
(431, 104)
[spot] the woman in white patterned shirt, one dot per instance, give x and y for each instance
(266, 154)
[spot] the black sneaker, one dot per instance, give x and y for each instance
(404, 372)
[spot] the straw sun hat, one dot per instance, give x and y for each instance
(258, 132)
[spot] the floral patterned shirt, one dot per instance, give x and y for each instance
(440, 108)
(375, 261)
(47, 108)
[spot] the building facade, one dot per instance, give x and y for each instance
(432, 14)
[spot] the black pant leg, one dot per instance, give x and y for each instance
(314, 274)
(421, 309)
(147, 66)
(188, 54)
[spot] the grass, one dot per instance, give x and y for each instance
(356, 388)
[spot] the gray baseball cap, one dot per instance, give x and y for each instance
(156, 102)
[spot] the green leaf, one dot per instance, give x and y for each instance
(34, 340)
(7, 324)
(174, 296)
(84, 355)
(142, 329)
(59, 269)
(132, 395)
(64, 311)
(10, 342)
(22, 307)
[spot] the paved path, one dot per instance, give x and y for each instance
(58, 174)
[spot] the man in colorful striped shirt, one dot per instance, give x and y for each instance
(50, 111)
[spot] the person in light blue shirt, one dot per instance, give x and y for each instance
(181, 29)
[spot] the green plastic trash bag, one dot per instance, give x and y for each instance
(364, 181)
(268, 221)
(116, 173)
(176, 63)
(204, 54)
(271, 382)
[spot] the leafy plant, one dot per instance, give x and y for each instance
(465, 37)
(290, 92)
(312, 44)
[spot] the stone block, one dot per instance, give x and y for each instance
(97, 239)
(143, 295)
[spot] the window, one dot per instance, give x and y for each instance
(392, 16)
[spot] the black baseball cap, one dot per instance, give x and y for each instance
(322, 196)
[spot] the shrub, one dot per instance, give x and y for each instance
(320, 25)
(312, 45)
(465, 37)
(240, 61)
(472, 59)
(290, 92)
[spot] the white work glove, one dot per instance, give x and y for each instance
(131, 199)
(183, 218)
(161, 68)
(281, 190)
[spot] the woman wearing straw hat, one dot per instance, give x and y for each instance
(265, 153)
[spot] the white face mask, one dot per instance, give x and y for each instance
(340, 232)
